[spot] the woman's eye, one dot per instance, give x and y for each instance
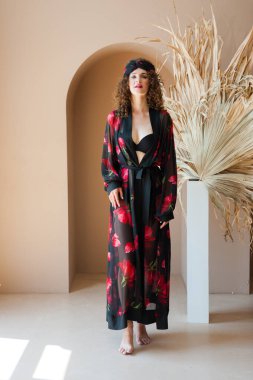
(145, 77)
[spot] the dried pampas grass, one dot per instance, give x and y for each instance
(212, 113)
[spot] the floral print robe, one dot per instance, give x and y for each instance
(138, 261)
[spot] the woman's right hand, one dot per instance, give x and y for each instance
(114, 196)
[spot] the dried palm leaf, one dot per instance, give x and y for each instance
(212, 112)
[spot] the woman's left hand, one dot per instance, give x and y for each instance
(164, 224)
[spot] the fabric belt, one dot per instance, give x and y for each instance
(144, 173)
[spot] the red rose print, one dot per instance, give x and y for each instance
(124, 174)
(129, 247)
(123, 214)
(136, 242)
(108, 289)
(166, 203)
(121, 142)
(150, 276)
(172, 179)
(105, 161)
(110, 118)
(162, 289)
(147, 301)
(116, 124)
(115, 240)
(158, 160)
(113, 120)
(108, 165)
(148, 234)
(127, 269)
(108, 283)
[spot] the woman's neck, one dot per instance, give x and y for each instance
(139, 105)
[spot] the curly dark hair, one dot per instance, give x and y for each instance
(122, 94)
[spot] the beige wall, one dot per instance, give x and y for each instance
(54, 99)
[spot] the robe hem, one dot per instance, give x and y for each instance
(145, 317)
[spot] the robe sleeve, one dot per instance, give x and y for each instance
(169, 169)
(109, 164)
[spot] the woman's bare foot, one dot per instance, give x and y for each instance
(141, 334)
(127, 346)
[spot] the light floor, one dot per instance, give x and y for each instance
(65, 336)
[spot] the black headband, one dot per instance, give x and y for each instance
(138, 63)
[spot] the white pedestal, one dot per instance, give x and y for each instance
(197, 252)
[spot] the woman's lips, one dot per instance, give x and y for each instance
(138, 86)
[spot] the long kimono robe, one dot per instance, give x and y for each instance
(139, 252)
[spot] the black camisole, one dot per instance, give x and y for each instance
(145, 144)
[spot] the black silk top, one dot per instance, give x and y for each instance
(145, 144)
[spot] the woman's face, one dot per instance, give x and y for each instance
(138, 82)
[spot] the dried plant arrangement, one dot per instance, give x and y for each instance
(212, 113)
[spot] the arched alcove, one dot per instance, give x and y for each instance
(89, 101)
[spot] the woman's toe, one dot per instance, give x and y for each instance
(139, 341)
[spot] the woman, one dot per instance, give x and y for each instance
(140, 176)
